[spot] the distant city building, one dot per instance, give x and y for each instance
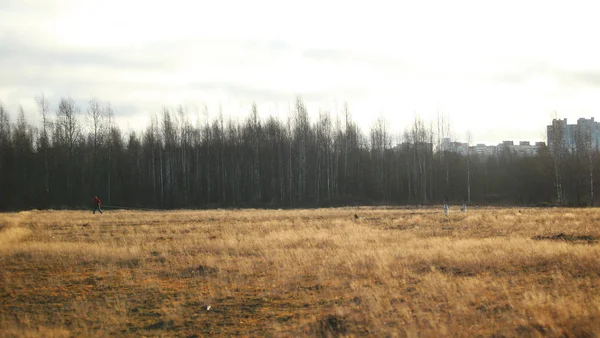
(524, 148)
(586, 130)
(484, 150)
(455, 147)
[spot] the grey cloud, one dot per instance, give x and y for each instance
(24, 61)
(340, 55)
(82, 103)
(523, 72)
(30, 67)
(509, 78)
(26, 54)
(326, 54)
(185, 44)
(515, 72)
(31, 5)
(269, 45)
(247, 92)
(265, 94)
(241, 91)
(124, 110)
(589, 78)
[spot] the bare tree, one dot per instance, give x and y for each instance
(108, 113)
(380, 142)
(44, 107)
(185, 143)
(417, 139)
(5, 133)
(69, 131)
(302, 131)
(255, 129)
(96, 116)
(68, 122)
(557, 146)
(469, 140)
(586, 148)
(324, 157)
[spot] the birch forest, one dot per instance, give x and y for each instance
(77, 152)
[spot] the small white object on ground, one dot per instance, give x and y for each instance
(208, 308)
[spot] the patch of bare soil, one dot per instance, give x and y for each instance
(568, 238)
(331, 326)
(200, 270)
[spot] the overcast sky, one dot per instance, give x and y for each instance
(497, 69)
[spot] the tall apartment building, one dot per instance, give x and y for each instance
(586, 130)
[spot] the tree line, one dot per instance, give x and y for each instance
(77, 153)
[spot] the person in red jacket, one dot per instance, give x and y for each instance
(97, 204)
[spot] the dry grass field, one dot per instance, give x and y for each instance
(388, 272)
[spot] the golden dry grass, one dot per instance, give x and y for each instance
(390, 272)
